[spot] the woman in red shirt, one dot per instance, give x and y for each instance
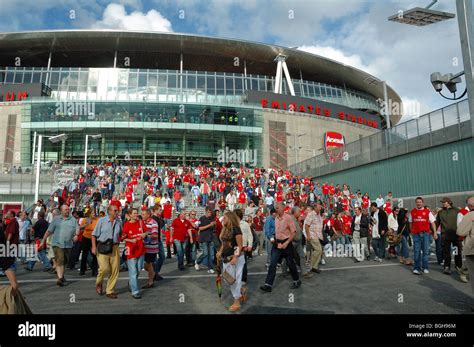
(133, 235)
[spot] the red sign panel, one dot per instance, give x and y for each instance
(332, 143)
(18, 96)
(318, 110)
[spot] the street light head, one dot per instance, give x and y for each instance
(437, 80)
(420, 16)
(58, 138)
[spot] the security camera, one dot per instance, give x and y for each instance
(437, 81)
(451, 85)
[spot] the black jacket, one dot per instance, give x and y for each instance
(383, 221)
(364, 225)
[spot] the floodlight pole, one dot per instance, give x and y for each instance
(466, 34)
(38, 166)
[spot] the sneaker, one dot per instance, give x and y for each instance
(376, 259)
(416, 272)
(380, 260)
(447, 271)
(296, 285)
(211, 271)
(308, 274)
(323, 262)
(196, 266)
(266, 288)
(426, 271)
(463, 278)
(137, 296)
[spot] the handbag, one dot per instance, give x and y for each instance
(105, 247)
(230, 280)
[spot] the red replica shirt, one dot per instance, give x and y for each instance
(221, 187)
(420, 220)
(180, 229)
(133, 231)
(129, 197)
(365, 202)
(167, 211)
(325, 189)
(388, 208)
(242, 198)
(345, 204)
(240, 187)
(331, 190)
(279, 196)
(346, 227)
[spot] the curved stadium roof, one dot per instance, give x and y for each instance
(156, 50)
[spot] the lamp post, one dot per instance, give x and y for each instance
(154, 159)
(53, 139)
(86, 150)
(425, 16)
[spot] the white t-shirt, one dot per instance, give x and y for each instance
(375, 227)
(269, 200)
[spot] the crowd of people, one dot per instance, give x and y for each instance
(115, 218)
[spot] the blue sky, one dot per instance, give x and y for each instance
(355, 32)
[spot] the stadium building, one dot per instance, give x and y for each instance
(184, 99)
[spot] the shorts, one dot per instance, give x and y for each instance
(61, 255)
(150, 257)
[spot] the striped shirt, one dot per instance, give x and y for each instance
(151, 244)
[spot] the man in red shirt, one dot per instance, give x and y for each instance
(167, 212)
(422, 225)
(242, 199)
(129, 196)
(181, 228)
(279, 196)
(346, 230)
(116, 202)
(133, 235)
(325, 191)
(177, 198)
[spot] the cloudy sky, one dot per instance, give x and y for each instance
(355, 32)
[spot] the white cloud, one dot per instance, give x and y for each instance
(116, 17)
(338, 55)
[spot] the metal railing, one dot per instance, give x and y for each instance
(448, 124)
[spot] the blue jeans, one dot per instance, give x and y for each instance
(377, 244)
(135, 265)
(207, 255)
(180, 248)
(178, 206)
(204, 199)
(44, 259)
(190, 252)
(421, 244)
(161, 258)
(268, 249)
(402, 248)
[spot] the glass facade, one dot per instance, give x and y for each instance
(109, 84)
(176, 133)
